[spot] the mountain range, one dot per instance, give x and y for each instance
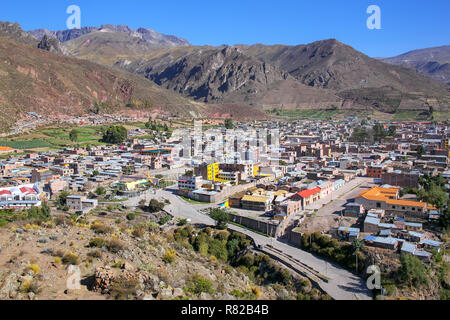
(432, 62)
(73, 70)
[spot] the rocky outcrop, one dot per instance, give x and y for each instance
(50, 44)
(15, 32)
(142, 284)
(320, 75)
(214, 75)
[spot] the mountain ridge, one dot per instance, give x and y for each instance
(52, 84)
(433, 62)
(346, 77)
(144, 33)
(241, 80)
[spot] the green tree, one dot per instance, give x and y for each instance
(221, 217)
(45, 209)
(357, 245)
(155, 206)
(412, 270)
(115, 135)
(62, 198)
(218, 249)
(378, 132)
(229, 123)
(73, 135)
(392, 131)
(420, 150)
(434, 190)
(41, 213)
(233, 247)
(360, 135)
(100, 191)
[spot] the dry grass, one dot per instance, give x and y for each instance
(70, 258)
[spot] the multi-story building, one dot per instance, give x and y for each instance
(190, 182)
(81, 203)
(308, 196)
(208, 171)
(42, 175)
(232, 177)
(401, 179)
(6, 169)
(258, 203)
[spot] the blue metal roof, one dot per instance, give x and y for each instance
(413, 224)
(431, 242)
(408, 247)
(372, 220)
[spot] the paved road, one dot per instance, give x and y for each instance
(340, 199)
(343, 285)
(352, 188)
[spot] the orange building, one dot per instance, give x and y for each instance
(4, 150)
(388, 200)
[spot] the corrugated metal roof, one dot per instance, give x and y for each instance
(372, 220)
(255, 199)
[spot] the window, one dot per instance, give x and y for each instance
(378, 205)
(403, 208)
(393, 207)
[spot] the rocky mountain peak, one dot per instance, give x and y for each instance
(50, 44)
(14, 31)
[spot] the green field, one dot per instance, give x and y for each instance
(54, 138)
(25, 144)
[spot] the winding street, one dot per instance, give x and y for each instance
(343, 284)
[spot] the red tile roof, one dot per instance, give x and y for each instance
(4, 192)
(308, 193)
(27, 190)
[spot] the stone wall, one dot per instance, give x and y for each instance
(295, 238)
(268, 228)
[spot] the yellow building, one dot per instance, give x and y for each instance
(212, 171)
(207, 171)
(255, 170)
(129, 186)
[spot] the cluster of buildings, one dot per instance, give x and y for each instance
(391, 223)
(79, 171)
(277, 169)
(397, 234)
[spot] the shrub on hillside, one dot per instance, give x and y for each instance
(198, 285)
(101, 228)
(115, 246)
(70, 258)
(170, 256)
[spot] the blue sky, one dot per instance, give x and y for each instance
(406, 25)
